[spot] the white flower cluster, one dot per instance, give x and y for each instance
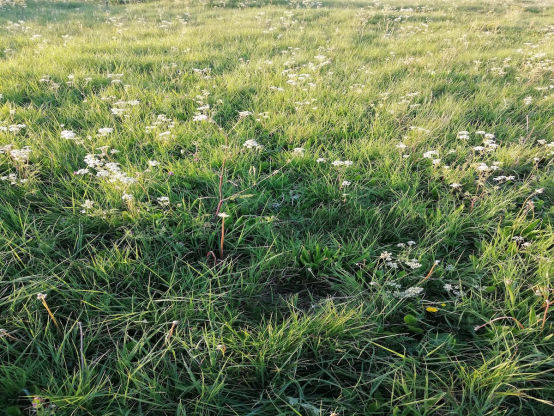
(105, 131)
(163, 201)
(13, 128)
(413, 264)
(463, 135)
(342, 163)
(411, 292)
(120, 107)
(17, 155)
(408, 243)
(200, 117)
(252, 144)
(483, 167)
(387, 257)
(68, 134)
(110, 170)
(164, 123)
(502, 178)
(202, 109)
(430, 154)
(87, 205)
(13, 179)
(454, 289)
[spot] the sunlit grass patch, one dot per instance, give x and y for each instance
(276, 207)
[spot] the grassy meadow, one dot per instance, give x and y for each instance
(336, 207)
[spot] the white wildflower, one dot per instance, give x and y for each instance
(252, 144)
(88, 204)
(413, 264)
(342, 163)
(200, 117)
(409, 293)
(429, 154)
(385, 255)
(68, 134)
(104, 131)
(163, 201)
(243, 114)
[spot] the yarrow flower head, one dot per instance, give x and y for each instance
(87, 205)
(463, 135)
(18, 155)
(342, 163)
(68, 134)
(104, 131)
(243, 114)
(200, 117)
(252, 144)
(429, 154)
(385, 255)
(413, 264)
(409, 293)
(163, 201)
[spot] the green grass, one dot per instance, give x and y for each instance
(308, 311)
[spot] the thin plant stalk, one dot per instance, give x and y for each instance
(171, 330)
(42, 298)
(499, 318)
(546, 307)
(430, 271)
(222, 238)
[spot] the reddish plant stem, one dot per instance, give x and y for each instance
(171, 330)
(430, 272)
(501, 317)
(50, 313)
(222, 238)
